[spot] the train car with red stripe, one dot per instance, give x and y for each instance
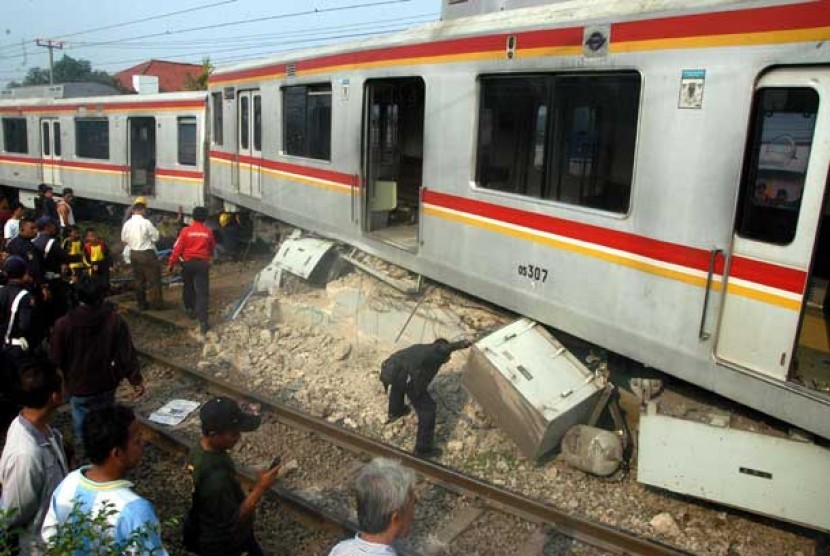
(109, 148)
(648, 177)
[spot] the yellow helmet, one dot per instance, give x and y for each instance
(225, 219)
(140, 201)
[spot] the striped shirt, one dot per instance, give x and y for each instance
(130, 511)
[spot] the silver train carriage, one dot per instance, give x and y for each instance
(110, 148)
(652, 181)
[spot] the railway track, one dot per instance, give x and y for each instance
(471, 497)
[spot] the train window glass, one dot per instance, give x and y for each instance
(218, 122)
(187, 140)
(92, 138)
(44, 138)
(15, 137)
(257, 123)
(776, 163)
(56, 140)
(244, 122)
(307, 121)
(567, 138)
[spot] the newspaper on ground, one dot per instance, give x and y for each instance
(173, 412)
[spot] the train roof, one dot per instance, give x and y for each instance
(111, 99)
(567, 13)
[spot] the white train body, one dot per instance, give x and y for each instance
(581, 163)
(110, 148)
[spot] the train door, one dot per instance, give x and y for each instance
(141, 156)
(249, 125)
(393, 158)
(779, 212)
(50, 150)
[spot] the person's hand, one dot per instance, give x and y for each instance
(268, 477)
(139, 390)
(47, 294)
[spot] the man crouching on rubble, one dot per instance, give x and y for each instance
(410, 371)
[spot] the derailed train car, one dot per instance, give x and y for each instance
(110, 148)
(653, 182)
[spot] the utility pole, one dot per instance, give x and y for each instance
(51, 45)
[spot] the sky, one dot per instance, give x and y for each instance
(111, 35)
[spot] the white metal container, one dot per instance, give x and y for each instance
(531, 386)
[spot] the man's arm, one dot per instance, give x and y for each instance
(22, 478)
(138, 522)
(153, 231)
(178, 248)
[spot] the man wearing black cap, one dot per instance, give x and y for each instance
(221, 520)
(18, 317)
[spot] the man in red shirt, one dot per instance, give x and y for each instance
(194, 248)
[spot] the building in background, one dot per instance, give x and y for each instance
(172, 76)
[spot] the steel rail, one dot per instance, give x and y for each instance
(319, 517)
(596, 534)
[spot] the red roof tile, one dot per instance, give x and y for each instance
(171, 75)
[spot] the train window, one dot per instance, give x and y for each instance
(775, 167)
(187, 140)
(257, 123)
(307, 121)
(92, 138)
(244, 122)
(56, 140)
(567, 138)
(218, 122)
(15, 137)
(44, 138)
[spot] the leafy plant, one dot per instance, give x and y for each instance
(8, 536)
(91, 535)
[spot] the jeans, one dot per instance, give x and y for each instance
(81, 405)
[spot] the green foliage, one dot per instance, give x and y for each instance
(8, 540)
(68, 70)
(199, 83)
(91, 535)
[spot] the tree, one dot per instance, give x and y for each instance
(68, 70)
(199, 83)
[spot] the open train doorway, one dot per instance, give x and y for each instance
(394, 159)
(142, 156)
(772, 320)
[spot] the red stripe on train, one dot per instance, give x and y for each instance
(306, 171)
(191, 105)
(771, 275)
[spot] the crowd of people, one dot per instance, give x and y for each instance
(63, 341)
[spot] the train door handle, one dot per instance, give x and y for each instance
(713, 259)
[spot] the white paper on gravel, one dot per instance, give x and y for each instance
(173, 412)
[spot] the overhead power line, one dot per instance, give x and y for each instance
(135, 21)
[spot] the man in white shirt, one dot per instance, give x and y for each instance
(12, 225)
(385, 509)
(140, 236)
(33, 462)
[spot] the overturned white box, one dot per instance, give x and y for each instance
(531, 386)
(775, 476)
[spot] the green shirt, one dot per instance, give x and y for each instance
(216, 499)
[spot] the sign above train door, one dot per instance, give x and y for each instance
(779, 211)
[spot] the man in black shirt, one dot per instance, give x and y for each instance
(221, 520)
(409, 371)
(55, 266)
(23, 247)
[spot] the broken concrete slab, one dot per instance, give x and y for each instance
(531, 386)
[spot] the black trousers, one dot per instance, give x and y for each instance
(424, 406)
(196, 291)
